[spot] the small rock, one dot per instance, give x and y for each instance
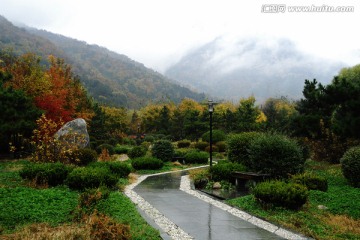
(217, 185)
(177, 163)
(322, 207)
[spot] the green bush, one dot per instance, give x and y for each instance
(136, 152)
(149, 138)
(148, 163)
(52, 174)
(201, 145)
(276, 155)
(109, 147)
(85, 156)
(311, 181)
(223, 170)
(350, 166)
(118, 149)
(163, 150)
(214, 148)
(217, 136)
(91, 177)
(221, 146)
(183, 144)
(112, 141)
(238, 147)
(281, 194)
(120, 169)
(128, 141)
(197, 157)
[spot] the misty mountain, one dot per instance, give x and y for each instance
(251, 66)
(111, 78)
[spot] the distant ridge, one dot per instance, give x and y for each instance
(111, 78)
(251, 66)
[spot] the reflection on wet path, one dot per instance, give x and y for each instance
(198, 218)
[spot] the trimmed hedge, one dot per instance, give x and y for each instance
(148, 163)
(163, 150)
(136, 152)
(196, 157)
(222, 171)
(276, 155)
(52, 174)
(238, 147)
(217, 136)
(109, 147)
(118, 149)
(91, 177)
(85, 156)
(183, 144)
(121, 170)
(281, 194)
(201, 145)
(311, 181)
(221, 146)
(350, 166)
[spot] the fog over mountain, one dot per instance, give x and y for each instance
(232, 69)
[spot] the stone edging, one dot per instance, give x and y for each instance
(163, 222)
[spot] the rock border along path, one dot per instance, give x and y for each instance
(176, 232)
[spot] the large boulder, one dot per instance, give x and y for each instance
(74, 134)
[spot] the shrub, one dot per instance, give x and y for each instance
(217, 136)
(163, 150)
(350, 166)
(112, 141)
(238, 146)
(278, 193)
(221, 146)
(196, 157)
(128, 141)
(276, 155)
(85, 156)
(108, 147)
(149, 138)
(149, 163)
(183, 144)
(136, 152)
(51, 174)
(222, 171)
(201, 145)
(118, 149)
(214, 148)
(120, 169)
(200, 177)
(311, 181)
(90, 177)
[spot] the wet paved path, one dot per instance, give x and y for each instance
(199, 219)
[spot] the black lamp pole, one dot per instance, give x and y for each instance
(211, 110)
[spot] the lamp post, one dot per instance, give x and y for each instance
(211, 110)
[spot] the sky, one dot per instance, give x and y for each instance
(158, 33)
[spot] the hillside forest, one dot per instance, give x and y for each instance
(326, 120)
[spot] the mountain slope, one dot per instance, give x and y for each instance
(109, 77)
(252, 66)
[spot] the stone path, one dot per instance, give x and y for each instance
(169, 204)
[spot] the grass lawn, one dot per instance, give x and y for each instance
(26, 210)
(341, 219)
